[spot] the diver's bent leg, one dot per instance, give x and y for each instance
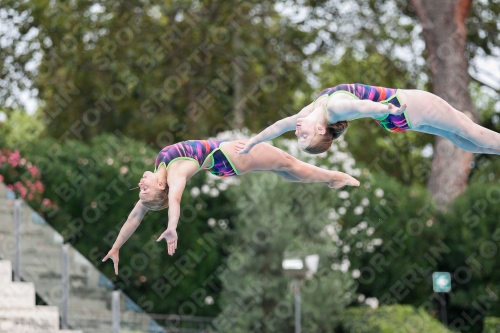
(310, 173)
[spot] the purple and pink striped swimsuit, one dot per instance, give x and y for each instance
(393, 123)
(199, 151)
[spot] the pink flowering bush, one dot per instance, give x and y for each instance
(23, 178)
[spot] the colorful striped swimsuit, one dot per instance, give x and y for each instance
(198, 151)
(393, 123)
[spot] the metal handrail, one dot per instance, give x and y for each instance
(101, 309)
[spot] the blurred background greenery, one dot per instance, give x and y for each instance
(92, 90)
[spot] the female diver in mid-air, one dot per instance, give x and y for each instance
(396, 110)
(177, 163)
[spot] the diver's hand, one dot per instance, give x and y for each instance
(113, 254)
(394, 110)
(170, 236)
(243, 147)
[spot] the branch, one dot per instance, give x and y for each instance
(484, 84)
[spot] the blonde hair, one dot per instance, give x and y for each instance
(158, 201)
(321, 142)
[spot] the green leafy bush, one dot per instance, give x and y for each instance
(24, 179)
(491, 325)
(277, 217)
(389, 319)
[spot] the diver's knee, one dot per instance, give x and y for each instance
(287, 162)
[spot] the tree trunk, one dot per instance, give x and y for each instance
(444, 30)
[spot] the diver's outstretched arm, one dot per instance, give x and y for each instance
(134, 219)
(176, 185)
(338, 110)
(278, 128)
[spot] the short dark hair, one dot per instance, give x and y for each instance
(321, 142)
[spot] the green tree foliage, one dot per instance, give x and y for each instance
(20, 129)
(491, 325)
(90, 184)
(397, 239)
(473, 236)
(389, 319)
(161, 72)
(385, 231)
(391, 28)
(277, 217)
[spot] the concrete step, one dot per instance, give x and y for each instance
(5, 272)
(39, 233)
(6, 206)
(38, 319)
(7, 246)
(6, 215)
(17, 295)
(7, 229)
